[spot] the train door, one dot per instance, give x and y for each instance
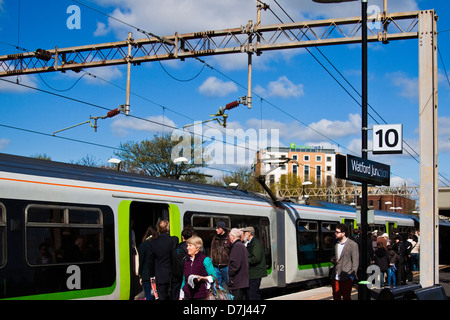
(134, 219)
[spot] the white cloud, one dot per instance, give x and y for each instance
(123, 126)
(101, 29)
(315, 132)
(409, 87)
(4, 143)
(282, 87)
(29, 80)
(104, 73)
(213, 87)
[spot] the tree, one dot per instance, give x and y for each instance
(243, 177)
(155, 158)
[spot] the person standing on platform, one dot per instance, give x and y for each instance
(160, 250)
(256, 262)
(220, 252)
(238, 267)
(346, 261)
(399, 247)
(144, 260)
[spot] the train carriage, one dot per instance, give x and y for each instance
(70, 232)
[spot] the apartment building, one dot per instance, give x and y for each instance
(310, 163)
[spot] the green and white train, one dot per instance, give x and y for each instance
(67, 231)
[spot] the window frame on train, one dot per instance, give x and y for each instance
(64, 223)
(322, 251)
(232, 221)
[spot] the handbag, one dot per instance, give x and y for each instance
(216, 292)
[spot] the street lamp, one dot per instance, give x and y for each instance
(362, 292)
(306, 183)
(115, 161)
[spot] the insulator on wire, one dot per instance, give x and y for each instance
(232, 105)
(43, 54)
(113, 113)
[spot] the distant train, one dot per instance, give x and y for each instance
(67, 231)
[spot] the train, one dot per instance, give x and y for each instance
(69, 231)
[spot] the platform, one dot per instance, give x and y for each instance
(324, 293)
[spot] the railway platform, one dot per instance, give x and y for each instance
(324, 293)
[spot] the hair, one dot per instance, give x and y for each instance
(236, 233)
(150, 234)
(188, 231)
(343, 229)
(196, 241)
(163, 226)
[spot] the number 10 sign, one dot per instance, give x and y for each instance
(387, 139)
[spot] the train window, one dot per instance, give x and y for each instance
(58, 235)
(328, 229)
(204, 224)
(2, 235)
(307, 237)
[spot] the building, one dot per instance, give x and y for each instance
(309, 163)
(394, 203)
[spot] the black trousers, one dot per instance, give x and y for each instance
(253, 292)
(239, 294)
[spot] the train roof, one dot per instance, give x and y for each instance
(349, 208)
(53, 169)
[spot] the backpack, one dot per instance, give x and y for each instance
(178, 257)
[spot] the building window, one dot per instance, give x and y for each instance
(306, 157)
(306, 173)
(328, 168)
(318, 175)
(295, 170)
(271, 180)
(328, 159)
(294, 157)
(318, 158)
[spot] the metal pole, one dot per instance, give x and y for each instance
(363, 293)
(428, 136)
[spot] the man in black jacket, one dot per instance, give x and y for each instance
(160, 251)
(238, 267)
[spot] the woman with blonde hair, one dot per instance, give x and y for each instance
(198, 271)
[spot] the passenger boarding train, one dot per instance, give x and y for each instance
(69, 231)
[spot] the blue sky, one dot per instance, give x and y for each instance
(297, 93)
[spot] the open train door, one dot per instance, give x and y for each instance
(134, 219)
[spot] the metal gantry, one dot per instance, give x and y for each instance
(252, 38)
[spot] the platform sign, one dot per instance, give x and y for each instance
(362, 170)
(387, 139)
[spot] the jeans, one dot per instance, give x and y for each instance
(391, 276)
(222, 275)
(415, 261)
(148, 290)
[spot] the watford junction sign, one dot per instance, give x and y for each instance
(362, 170)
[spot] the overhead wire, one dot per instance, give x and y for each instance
(345, 79)
(205, 64)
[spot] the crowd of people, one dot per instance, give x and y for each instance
(173, 270)
(398, 260)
